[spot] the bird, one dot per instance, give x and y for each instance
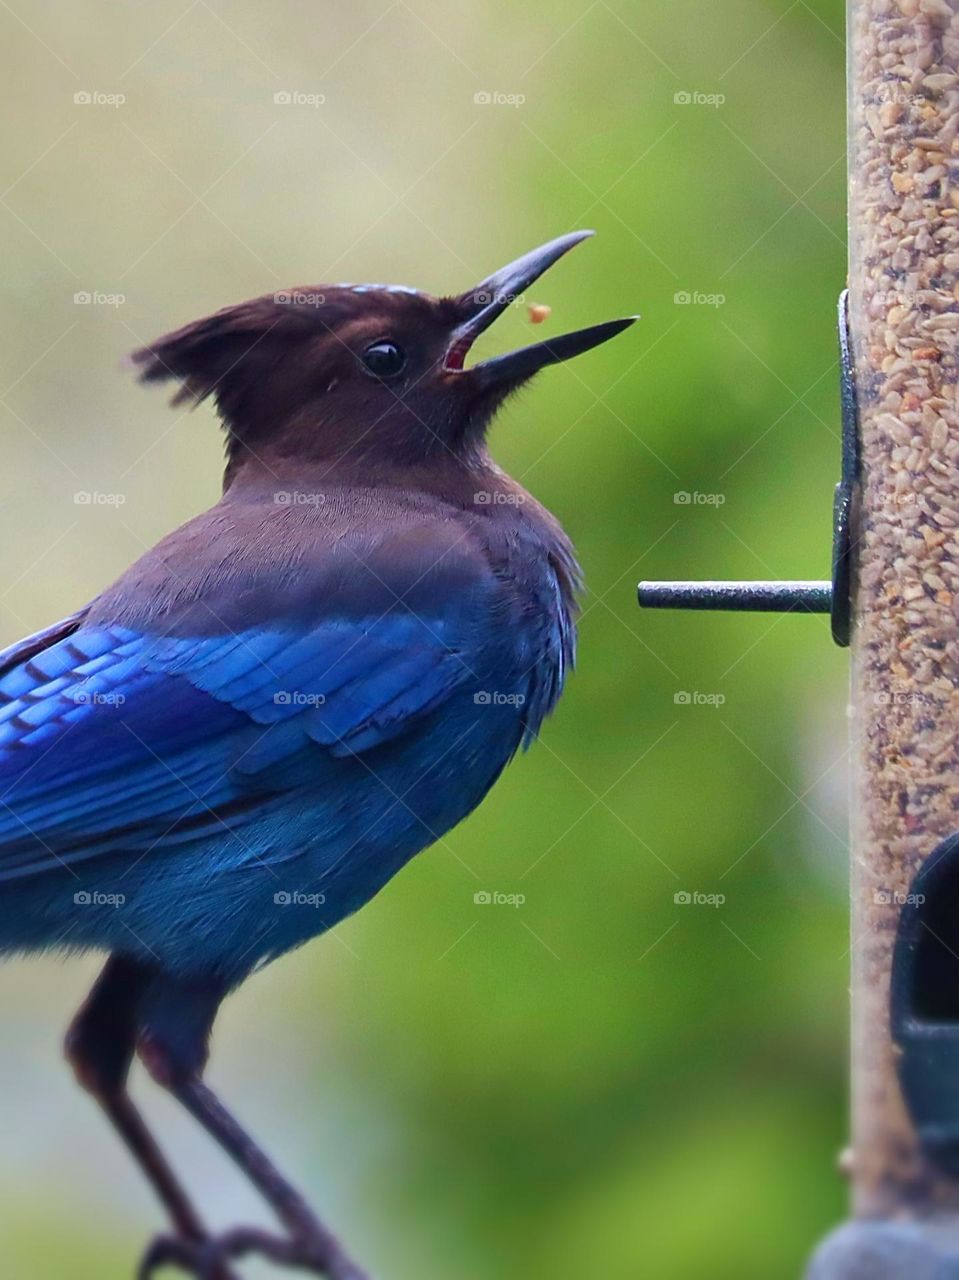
(239, 742)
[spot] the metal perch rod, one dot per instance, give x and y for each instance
(739, 597)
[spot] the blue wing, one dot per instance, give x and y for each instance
(112, 738)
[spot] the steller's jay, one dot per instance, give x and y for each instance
(238, 743)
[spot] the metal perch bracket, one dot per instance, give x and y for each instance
(832, 597)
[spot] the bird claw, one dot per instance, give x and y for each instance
(208, 1259)
(301, 1251)
(192, 1256)
(161, 1251)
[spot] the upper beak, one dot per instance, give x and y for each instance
(489, 299)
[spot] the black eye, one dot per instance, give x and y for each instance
(384, 359)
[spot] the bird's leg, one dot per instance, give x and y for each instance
(310, 1242)
(173, 1047)
(99, 1046)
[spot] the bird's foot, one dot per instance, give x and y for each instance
(209, 1259)
(188, 1255)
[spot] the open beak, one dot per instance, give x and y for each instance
(489, 299)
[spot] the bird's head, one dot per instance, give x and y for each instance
(361, 371)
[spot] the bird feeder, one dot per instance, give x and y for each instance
(894, 597)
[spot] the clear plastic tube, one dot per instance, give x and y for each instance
(904, 286)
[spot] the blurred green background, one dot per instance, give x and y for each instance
(603, 1081)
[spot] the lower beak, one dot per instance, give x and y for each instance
(490, 299)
